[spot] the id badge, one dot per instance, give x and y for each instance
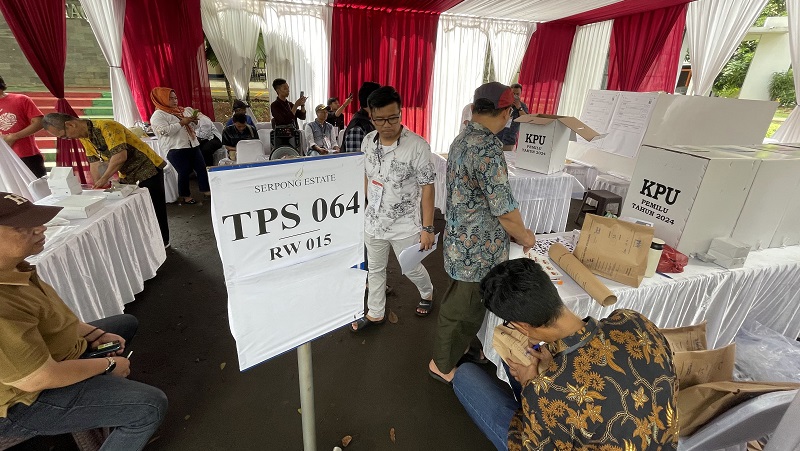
(375, 194)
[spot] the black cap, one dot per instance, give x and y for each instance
(16, 211)
(239, 104)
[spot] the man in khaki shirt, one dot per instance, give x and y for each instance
(48, 381)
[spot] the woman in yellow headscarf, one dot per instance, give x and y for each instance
(175, 127)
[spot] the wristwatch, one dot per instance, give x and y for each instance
(428, 229)
(111, 365)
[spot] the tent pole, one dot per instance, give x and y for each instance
(306, 377)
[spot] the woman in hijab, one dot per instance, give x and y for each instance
(175, 126)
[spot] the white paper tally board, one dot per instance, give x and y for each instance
(289, 233)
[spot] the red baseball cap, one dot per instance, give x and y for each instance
(16, 211)
(499, 94)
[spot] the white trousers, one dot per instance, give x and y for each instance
(378, 258)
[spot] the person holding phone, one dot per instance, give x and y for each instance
(335, 111)
(46, 386)
(283, 111)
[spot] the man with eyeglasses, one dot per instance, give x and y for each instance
(399, 178)
(481, 216)
(604, 384)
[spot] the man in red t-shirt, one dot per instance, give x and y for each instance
(19, 120)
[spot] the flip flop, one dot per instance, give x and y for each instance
(426, 305)
(439, 378)
(362, 323)
(189, 202)
(474, 356)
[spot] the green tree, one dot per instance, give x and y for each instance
(731, 79)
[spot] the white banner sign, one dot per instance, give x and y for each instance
(289, 233)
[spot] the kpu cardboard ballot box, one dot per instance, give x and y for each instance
(775, 187)
(543, 138)
(691, 196)
(788, 231)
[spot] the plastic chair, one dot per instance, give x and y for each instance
(219, 126)
(750, 420)
(282, 152)
(603, 198)
(340, 138)
(39, 188)
(263, 136)
(249, 151)
(787, 434)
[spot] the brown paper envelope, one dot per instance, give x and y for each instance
(614, 249)
(699, 404)
(701, 367)
(687, 338)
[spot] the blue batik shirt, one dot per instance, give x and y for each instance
(477, 193)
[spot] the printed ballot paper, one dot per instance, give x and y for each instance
(411, 256)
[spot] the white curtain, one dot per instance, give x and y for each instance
(297, 42)
(587, 62)
(232, 27)
(715, 29)
(508, 40)
(789, 131)
(457, 71)
(107, 19)
(526, 10)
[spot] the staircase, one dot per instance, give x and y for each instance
(87, 105)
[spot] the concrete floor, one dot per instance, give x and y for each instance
(366, 384)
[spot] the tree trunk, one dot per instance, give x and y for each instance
(228, 88)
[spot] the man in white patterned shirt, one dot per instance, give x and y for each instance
(399, 178)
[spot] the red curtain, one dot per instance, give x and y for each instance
(163, 46)
(545, 66)
(664, 71)
(619, 9)
(390, 47)
(40, 29)
(637, 41)
(429, 6)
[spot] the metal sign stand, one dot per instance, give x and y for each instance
(306, 377)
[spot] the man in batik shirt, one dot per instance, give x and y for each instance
(481, 215)
(606, 385)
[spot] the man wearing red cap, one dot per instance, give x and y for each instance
(48, 383)
(481, 217)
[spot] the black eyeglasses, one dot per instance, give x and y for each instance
(392, 120)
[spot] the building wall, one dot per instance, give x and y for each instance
(85, 67)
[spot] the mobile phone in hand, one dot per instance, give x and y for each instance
(103, 349)
(302, 93)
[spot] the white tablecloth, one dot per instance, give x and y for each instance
(543, 199)
(98, 264)
(170, 174)
(611, 183)
(14, 175)
(585, 174)
(767, 289)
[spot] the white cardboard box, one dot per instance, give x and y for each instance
(771, 195)
(62, 182)
(543, 138)
(788, 231)
(74, 207)
(692, 196)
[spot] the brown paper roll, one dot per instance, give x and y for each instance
(581, 274)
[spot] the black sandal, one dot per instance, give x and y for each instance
(426, 305)
(362, 323)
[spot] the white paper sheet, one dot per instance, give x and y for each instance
(412, 256)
